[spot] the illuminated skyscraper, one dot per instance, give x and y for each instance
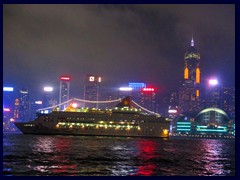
(228, 101)
(64, 91)
(8, 101)
(16, 109)
(148, 99)
(91, 89)
(191, 64)
(49, 99)
(189, 92)
(213, 95)
(137, 91)
(24, 105)
(137, 85)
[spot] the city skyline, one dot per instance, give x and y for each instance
(121, 43)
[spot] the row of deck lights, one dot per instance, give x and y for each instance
(128, 127)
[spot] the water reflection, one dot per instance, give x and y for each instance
(212, 156)
(44, 145)
(52, 153)
(147, 154)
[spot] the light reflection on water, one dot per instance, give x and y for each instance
(113, 156)
(213, 155)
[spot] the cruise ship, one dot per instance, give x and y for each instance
(122, 120)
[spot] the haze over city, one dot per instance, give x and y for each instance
(121, 43)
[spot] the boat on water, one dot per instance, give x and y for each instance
(122, 120)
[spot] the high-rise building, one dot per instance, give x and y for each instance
(16, 109)
(191, 64)
(137, 85)
(64, 91)
(125, 91)
(228, 101)
(35, 106)
(92, 90)
(213, 95)
(24, 108)
(189, 91)
(148, 99)
(8, 99)
(137, 91)
(8, 109)
(49, 100)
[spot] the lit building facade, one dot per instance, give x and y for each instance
(148, 99)
(48, 97)
(209, 122)
(213, 96)
(137, 91)
(228, 101)
(189, 91)
(8, 101)
(24, 105)
(16, 109)
(125, 91)
(35, 106)
(92, 90)
(136, 86)
(64, 91)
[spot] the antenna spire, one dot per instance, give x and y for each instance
(192, 42)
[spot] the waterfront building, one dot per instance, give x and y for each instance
(228, 101)
(35, 106)
(209, 122)
(24, 105)
(213, 94)
(8, 104)
(64, 91)
(212, 121)
(48, 97)
(92, 90)
(148, 99)
(137, 86)
(182, 125)
(125, 91)
(16, 109)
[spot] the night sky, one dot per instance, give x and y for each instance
(121, 43)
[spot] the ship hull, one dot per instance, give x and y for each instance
(87, 132)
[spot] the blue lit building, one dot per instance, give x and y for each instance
(137, 85)
(210, 122)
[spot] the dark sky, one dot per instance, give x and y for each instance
(122, 43)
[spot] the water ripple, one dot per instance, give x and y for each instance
(28, 155)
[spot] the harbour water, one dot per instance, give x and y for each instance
(44, 155)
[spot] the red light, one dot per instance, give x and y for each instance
(149, 89)
(65, 78)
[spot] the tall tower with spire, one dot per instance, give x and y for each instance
(189, 92)
(191, 64)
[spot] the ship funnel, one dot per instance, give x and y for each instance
(125, 102)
